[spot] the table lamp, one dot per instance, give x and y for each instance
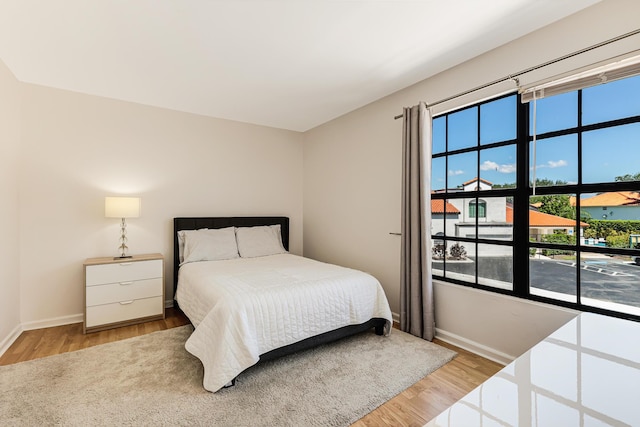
(122, 207)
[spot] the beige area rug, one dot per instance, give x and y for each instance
(152, 380)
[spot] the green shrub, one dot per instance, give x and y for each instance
(439, 251)
(618, 240)
(458, 251)
(532, 251)
(602, 228)
(560, 238)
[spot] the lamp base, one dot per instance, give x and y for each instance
(123, 257)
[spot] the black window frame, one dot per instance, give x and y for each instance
(520, 197)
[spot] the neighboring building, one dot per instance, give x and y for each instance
(541, 223)
(461, 215)
(624, 205)
(477, 184)
(495, 217)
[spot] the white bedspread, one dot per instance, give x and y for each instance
(245, 307)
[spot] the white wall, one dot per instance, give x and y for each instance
(353, 169)
(77, 149)
(10, 243)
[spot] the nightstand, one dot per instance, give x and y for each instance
(121, 292)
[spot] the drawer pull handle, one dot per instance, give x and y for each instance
(126, 302)
(125, 283)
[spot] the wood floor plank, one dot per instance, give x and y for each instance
(413, 407)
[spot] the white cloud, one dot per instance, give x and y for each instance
(557, 164)
(493, 166)
(453, 173)
(489, 166)
(553, 164)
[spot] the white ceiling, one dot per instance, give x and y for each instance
(288, 64)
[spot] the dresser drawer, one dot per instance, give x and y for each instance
(123, 272)
(123, 291)
(123, 311)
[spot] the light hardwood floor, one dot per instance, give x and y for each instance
(413, 407)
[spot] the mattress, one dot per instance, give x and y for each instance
(245, 307)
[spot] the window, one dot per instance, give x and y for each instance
(475, 155)
(548, 211)
(480, 207)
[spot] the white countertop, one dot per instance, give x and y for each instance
(587, 373)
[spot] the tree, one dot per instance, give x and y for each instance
(540, 182)
(556, 204)
(545, 182)
(628, 177)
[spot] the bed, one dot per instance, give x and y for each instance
(263, 302)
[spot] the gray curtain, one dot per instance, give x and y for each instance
(416, 288)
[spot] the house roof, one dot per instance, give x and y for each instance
(439, 206)
(541, 219)
(616, 198)
(476, 179)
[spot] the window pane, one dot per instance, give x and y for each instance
(552, 274)
(438, 174)
(445, 217)
(554, 113)
(610, 282)
(472, 209)
(495, 266)
(439, 134)
(438, 247)
(555, 160)
(481, 209)
(466, 225)
(498, 166)
(463, 129)
(495, 218)
(438, 251)
(460, 262)
(552, 219)
(614, 219)
(497, 222)
(498, 120)
(615, 100)
(611, 154)
(463, 168)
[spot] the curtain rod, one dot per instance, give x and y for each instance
(536, 67)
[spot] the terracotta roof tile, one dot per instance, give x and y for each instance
(617, 198)
(438, 207)
(541, 219)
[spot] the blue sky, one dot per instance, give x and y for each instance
(607, 153)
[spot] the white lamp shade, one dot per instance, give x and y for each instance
(122, 207)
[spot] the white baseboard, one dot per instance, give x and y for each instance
(10, 339)
(474, 347)
(54, 321)
(48, 323)
(38, 324)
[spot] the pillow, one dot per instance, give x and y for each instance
(259, 241)
(209, 245)
(181, 237)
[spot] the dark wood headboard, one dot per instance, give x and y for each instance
(222, 222)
